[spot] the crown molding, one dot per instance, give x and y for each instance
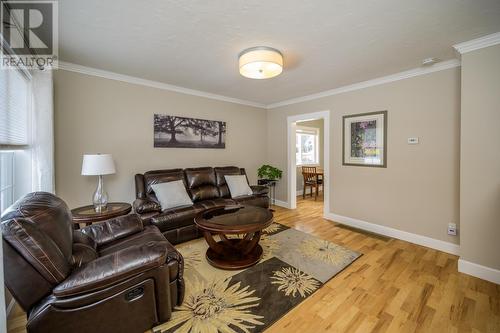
(370, 83)
(67, 66)
(478, 43)
(352, 87)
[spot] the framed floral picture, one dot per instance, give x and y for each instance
(365, 139)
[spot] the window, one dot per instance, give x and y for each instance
(307, 147)
(15, 105)
(14, 108)
(6, 179)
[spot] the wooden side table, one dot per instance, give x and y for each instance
(88, 215)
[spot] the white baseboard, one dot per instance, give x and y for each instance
(10, 306)
(395, 233)
(482, 272)
(283, 204)
(467, 267)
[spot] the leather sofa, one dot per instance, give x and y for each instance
(115, 276)
(207, 188)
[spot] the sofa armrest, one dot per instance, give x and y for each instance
(113, 268)
(113, 229)
(142, 206)
(259, 189)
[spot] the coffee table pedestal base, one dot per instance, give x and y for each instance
(235, 253)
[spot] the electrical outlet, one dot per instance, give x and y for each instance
(452, 229)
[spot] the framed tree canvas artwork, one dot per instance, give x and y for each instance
(365, 139)
(181, 132)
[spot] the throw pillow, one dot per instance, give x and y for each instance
(238, 185)
(172, 194)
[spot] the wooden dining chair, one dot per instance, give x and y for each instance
(311, 179)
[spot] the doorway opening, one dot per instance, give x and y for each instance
(309, 158)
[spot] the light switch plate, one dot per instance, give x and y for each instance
(452, 229)
(413, 141)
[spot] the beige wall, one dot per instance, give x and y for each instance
(317, 123)
(419, 190)
(480, 157)
(99, 115)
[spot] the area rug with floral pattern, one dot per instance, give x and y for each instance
(293, 267)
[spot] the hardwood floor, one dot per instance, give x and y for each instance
(16, 322)
(394, 287)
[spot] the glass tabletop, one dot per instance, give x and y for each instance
(112, 207)
(236, 215)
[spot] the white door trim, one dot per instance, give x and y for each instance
(292, 164)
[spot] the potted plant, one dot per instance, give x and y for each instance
(268, 176)
(269, 173)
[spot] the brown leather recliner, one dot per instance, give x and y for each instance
(207, 188)
(115, 276)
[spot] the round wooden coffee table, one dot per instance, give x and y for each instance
(233, 253)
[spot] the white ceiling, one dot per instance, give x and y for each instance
(326, 43)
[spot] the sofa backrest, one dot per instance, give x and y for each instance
(159, 176)
(38, 232)
(220, 172)
(201, 183)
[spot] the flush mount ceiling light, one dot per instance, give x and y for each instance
(260, 62)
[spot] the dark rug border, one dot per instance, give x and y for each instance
(271, 323)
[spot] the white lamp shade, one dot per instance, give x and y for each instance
(98, 164)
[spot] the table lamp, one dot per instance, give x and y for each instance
(98, 165)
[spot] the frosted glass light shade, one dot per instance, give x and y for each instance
(97, 165)
(260, 62)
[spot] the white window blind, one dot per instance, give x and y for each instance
(14, 108)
